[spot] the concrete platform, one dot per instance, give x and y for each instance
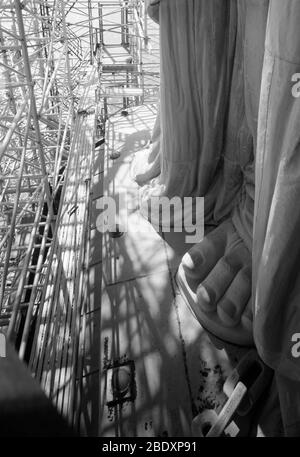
(140, 319)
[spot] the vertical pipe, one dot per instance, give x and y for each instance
(14, 215)
(100, 14)
(21, 283)
(38, 273)
(27, 70)
(90, 15)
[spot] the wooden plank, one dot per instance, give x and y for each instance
(122, 92)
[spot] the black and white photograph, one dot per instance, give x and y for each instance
(150, 222)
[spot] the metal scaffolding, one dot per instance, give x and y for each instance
(50, 50)
(41, 65)
(127, 76)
